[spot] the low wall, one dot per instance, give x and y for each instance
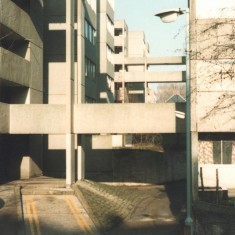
(226, 175)
(135, 166)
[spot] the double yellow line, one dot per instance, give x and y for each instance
(32, 215)
(78, 215)
(74, 208)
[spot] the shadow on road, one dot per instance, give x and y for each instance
(176, 192)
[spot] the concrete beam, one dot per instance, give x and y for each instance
(172, 76)
(176, 60)
(98, 118)
(128, 118)
(37, 119)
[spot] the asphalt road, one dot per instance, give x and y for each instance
(55, 215)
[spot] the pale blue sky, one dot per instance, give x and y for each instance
(164, 39)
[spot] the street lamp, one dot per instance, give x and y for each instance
(168, 16)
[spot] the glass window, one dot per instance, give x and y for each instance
(222, 152)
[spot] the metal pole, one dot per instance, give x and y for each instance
(189, 220)
(70, 150)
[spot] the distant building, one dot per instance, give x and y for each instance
(176, 98)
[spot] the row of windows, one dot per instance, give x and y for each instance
(89, 32)
(90, 69)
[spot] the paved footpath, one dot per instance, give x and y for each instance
(8, 211)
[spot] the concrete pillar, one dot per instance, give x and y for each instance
(70, 159)
(80, 163)
(70, 151)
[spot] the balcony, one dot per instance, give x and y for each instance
(16, 20)
(118, 41)
(14, 68)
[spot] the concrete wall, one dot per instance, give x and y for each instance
(226, 175)
(212, 79)
(135, 166)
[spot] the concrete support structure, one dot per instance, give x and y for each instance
(70, 147)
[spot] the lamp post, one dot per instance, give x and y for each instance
(168, 16)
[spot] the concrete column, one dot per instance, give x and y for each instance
(80, 163)
(80, 84)
(70, 150)
(70, 159)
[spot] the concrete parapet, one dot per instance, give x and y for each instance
(11, 64)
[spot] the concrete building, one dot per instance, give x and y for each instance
(21, 81)
(212, 89)
(105, 51)
(129, 44)
(45, 119)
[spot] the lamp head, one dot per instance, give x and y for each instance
(170, 15)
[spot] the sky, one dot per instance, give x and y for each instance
(164, 39)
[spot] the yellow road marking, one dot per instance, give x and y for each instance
(28, 209)
(76, 207)
(78, 217)
(36, 220)
(32, 215)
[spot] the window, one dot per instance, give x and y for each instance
(89, 32)
(90, 69)
(222, 152)
(216, 148)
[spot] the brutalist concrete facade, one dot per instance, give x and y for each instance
(34, 72)
(21, 82)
